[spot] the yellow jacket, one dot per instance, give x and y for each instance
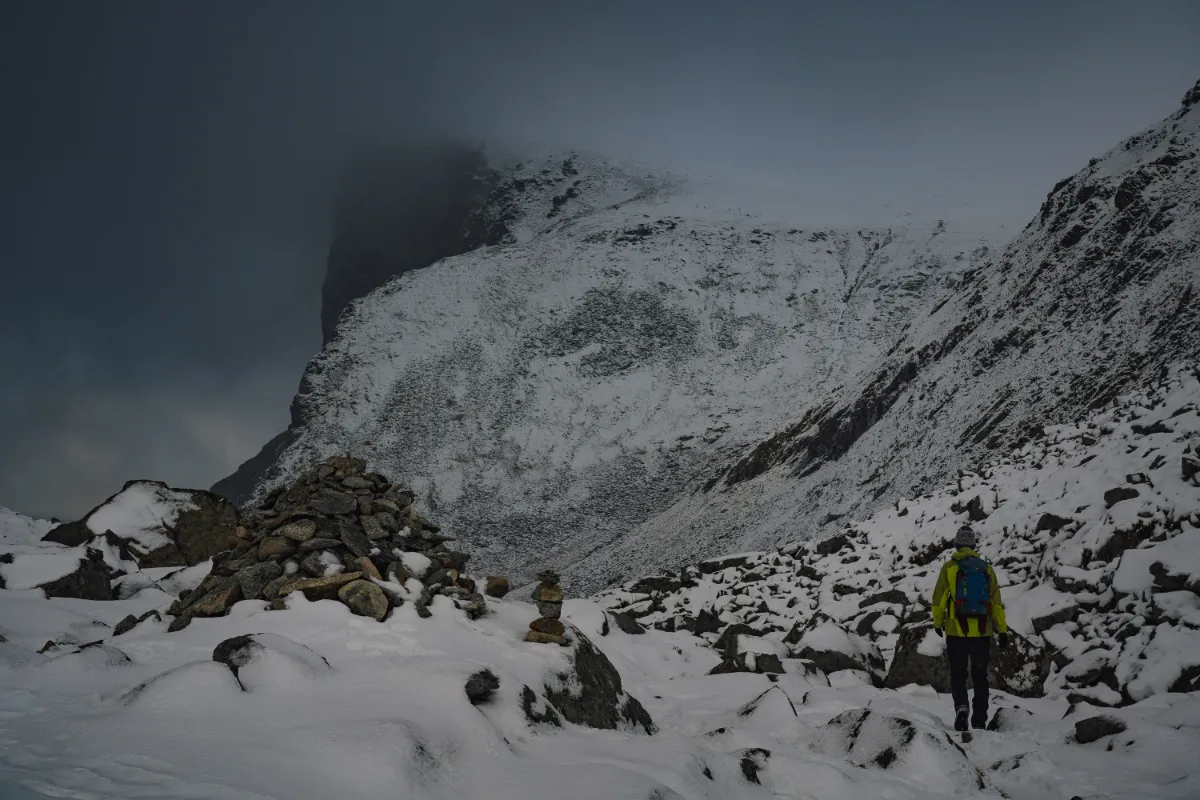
(943, 601)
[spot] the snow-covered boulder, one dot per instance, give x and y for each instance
(589, 691)
(832, 648)
(909, 748)
(920, 659)
(160, 526)
(265, 661)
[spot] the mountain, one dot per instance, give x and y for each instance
(633, 330)
(1095, 298)
(807, 671)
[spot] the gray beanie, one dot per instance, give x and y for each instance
(966, 537)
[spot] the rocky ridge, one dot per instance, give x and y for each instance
(1093, 529)
(1092, 300)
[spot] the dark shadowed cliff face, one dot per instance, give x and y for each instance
(399, 211)
(394, 212)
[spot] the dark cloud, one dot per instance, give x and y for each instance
(168, 165)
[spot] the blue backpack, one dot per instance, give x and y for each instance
(973, 590)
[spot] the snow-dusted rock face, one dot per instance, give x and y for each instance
(1094, 299)
(550, 394)
(157, 526)
(1093, 529)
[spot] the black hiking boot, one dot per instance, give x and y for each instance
(979, 721)
(960, 719)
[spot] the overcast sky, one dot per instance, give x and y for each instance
(166, 165)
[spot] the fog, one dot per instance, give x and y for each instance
(168, 166)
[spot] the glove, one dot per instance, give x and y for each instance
(1003, 643)
(939, 632)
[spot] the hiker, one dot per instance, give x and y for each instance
(967, 607)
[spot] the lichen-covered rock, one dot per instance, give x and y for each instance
(253, 580)
(365, 599)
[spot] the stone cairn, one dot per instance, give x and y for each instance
(548, 628)
(338, 533)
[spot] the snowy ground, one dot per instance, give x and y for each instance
(389, 718)
(373, 710)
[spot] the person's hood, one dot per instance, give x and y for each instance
(964, 552)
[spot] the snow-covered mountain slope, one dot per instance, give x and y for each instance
(548, 395)
(19, 529)
(1093, 299)
(1093, 529)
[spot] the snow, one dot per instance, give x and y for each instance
(17, 529)
(931, 645)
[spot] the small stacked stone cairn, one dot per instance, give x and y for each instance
(339, 533)
(548, 628)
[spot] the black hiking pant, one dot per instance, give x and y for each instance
(969, 654)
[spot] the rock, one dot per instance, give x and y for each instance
(314, 565)
(1118, 495)
(1093, 729)
(331, 503)
(540, 638)
(386, 519)
(365, 599)
(320, 543)
(347, 465)
(319, 588)
(832, 545)
(626, 623)
(591, 694)
(714, 565)
(481, 686)
(726, 643)
(253, 580)
(275, 548)
(456, 560)
(1066, 613)
(475, 606)
(833, 649)
(1052, 523)
(549, 610)
(707, 621)
(355, 539)
(762, 663)
(545, 593)
(259, 660)
(439, 577)
(656, 583)
(125, 625)
(1190, 466)
(71, 534)
(179, 623)
(920, 659)
(368, 569)
(373, 528)
(354, 482)
(890, 596)
(302, 530)
(975, 509)
(553, 627)
(218, 600)
(89, 581)
(753, 760)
